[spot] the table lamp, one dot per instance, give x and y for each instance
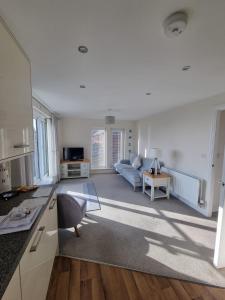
(154, 154)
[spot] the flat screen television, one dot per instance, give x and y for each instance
(73, 153)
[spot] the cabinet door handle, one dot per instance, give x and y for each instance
(20, 146)
(37, 239)
(51, 206)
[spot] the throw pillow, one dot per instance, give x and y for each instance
(137, 162)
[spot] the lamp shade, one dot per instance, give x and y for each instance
(154, 152)
(109, 120)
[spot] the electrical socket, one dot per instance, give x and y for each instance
(5, 180)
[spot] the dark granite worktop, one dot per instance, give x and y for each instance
(13, 245)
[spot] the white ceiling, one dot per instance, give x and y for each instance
(128, 56)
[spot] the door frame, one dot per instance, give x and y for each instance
(106, 147)
(110, 144)
(219, 256)
(212, 147)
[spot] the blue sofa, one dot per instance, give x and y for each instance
(132, 175)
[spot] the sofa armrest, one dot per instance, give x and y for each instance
(125, 161)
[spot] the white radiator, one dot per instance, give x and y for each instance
(185, 187)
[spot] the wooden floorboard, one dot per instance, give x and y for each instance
(74, 279)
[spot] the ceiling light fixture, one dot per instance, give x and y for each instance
(109, 120)
(186, 68)
(82, 86)
(175, 24)
(83, 49)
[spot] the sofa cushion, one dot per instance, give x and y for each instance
(132, 175)
(119, 167)
(137, 162)
(146, 164)
(132, 157)
(124, 161)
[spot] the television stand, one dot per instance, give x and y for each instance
(74, 169)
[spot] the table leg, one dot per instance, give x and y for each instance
(152, 193)
(143, 185)
(168, 191)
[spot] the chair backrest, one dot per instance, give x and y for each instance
(70, 211)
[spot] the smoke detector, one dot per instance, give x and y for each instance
(175, 24)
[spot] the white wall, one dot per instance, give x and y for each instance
(184, 135)
(77, 132)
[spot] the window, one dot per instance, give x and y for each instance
(43, 146)
(117, 145)
(98, 149)
(40, 162)
(36, 160)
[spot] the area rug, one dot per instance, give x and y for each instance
(164, 237)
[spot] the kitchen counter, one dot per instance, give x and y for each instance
(13, 245)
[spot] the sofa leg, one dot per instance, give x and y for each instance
(76, 231)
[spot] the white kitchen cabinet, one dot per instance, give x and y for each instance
(37, 261)
(35, 283)
(13, 291)
(16, 127)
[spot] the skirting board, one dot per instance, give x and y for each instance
(102, 171)
(201, 210)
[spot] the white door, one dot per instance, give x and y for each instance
(218, 157)
(219, 253)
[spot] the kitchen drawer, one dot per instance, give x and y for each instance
(37, 249)
(36, 263)
(13, 291)
(44, 242)
(35, 283)
(51, 214)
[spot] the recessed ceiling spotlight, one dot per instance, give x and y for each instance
(186, 68)
(82, 86)
(148, 94)
(83, 49)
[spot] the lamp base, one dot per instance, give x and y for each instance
(155, 166)
(152, 170)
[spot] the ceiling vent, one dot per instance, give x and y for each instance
(175, 24)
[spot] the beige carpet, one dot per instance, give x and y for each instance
(163, 237)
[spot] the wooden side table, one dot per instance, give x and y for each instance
(156, 181)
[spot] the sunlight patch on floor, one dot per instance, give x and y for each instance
(122, 204)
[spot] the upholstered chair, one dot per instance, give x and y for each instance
(71, 210)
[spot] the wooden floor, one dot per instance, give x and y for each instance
(75, 279)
